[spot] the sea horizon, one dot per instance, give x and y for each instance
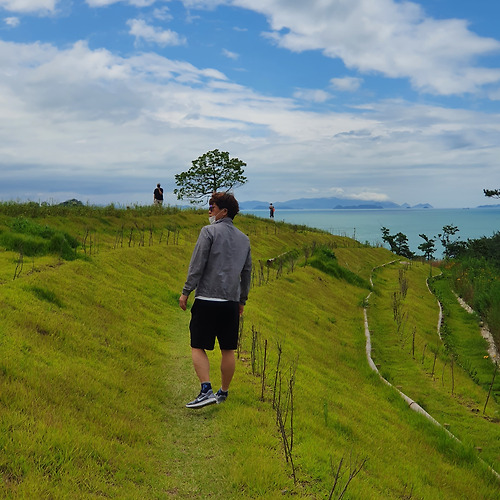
(364, 225)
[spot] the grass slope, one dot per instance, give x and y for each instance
(95, 370)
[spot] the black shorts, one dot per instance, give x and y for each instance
(212, 319)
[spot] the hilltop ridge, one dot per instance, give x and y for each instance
(95, 370)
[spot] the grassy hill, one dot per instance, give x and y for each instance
(95, 369)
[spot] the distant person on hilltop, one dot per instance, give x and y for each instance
(220, 271)
(158, 195)
(271, 210)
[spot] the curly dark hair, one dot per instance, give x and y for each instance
(225, 200)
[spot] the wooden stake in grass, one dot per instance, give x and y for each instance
(291, 383)
(119, 238)
(264, 372)
(277, 374)
(240, 336)
(142, 236)
(434, 363)
(413, 342)
(261, 273)
(491, 386)
(19, 265)
(452, 377)
(84, 241)
(253, 352)
(423, 354)
(442, 374)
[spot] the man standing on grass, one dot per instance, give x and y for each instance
(220, 271)
(158, 195)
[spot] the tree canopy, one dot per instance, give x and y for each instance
(211, 172)
(452, 248)
(398, 243)
(492, 193)
(428, 247)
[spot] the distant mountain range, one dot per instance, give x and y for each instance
(327, 203)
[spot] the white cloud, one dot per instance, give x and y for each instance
(336, 191)
(395, 39)
(312, 95)
(135, 3)
(230, 55)
(205, 4)
(162, 13)
(346, 84)
(13, 22)
(141, 30)
(29, 6)
(369, 196)
(105, 123)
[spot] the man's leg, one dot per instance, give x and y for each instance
(201, 364)
(202, 368)
(227, 367)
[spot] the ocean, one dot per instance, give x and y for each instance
(365, 225)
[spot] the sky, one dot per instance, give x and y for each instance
(363, 99)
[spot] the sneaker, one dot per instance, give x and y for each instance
(220, 396)
(203, 399)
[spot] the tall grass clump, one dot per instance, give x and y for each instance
(32, 239)
(325, 260)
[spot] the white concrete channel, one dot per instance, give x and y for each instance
(411, 403)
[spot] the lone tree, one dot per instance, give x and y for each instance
(492, 193)
(398, 243)
(209, 173)
(452, 248)
(428, 247)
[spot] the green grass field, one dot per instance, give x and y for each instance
(95, 371)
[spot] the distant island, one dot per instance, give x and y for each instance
(332, 203)
(489, 206)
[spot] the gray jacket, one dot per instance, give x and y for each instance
(221, 264)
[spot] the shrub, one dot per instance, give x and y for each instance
(27, 245)
(487, 248)
(325, 260)
(60, 245)
(32, 239)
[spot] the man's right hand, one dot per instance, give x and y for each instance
(183, 302)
